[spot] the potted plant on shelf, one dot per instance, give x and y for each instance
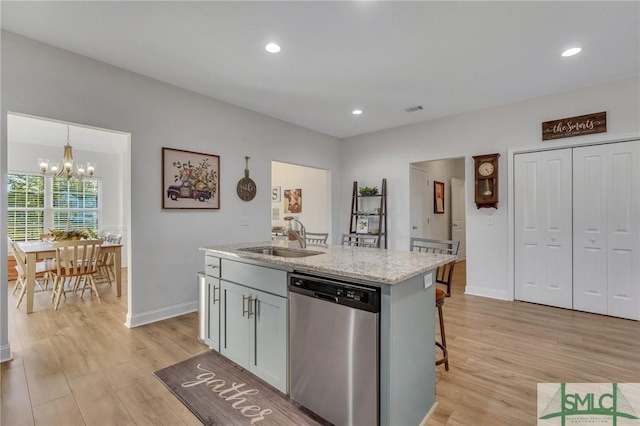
(367, 191)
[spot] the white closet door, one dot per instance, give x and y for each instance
(543, 228)
(590, 166)
(607, 238)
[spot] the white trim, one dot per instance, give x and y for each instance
(429, 414)
(156, 315)
(487, 292)
(5, 353)
(511, 152)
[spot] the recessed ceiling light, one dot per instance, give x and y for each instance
(272, 48)
(572, 51)
(356, 112)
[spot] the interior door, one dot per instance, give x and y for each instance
(420, 202)
(458, 221)
(606, 237)
(623, 221)
(543, 231)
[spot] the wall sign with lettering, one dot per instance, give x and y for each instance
(246, 187)
(575, 126)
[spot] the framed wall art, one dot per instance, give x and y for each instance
(190, 180)
(293, 200)
(438, 197)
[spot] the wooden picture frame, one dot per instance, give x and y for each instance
(438, 197)
(190, 180)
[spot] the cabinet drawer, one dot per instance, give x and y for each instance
(212, 266)
(272, 281)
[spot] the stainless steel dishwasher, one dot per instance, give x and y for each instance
(334, 338)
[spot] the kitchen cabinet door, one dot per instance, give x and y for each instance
(213, 296)
(268, 344)
(234, 324)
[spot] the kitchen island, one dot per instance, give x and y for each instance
(249, 314)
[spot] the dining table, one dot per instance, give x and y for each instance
(40, 250)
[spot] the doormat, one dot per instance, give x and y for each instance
(219, 392)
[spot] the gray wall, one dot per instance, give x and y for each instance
(44, 81)
(369, 157)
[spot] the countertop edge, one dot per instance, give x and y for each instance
(233, 252)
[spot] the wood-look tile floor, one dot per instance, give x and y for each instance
(82, 366)
(499, 351)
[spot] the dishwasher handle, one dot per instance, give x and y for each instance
(324, 296)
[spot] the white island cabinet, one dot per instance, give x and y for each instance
(253, 315)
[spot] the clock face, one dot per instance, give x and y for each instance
(485, 169)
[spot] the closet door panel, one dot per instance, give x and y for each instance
(543, 227)
(623, 221)
(590, 230)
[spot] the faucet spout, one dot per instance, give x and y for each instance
(301, 235)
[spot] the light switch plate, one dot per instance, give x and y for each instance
(428, 281)
(244, 220)
(489, 220)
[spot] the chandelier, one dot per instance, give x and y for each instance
(69, 169)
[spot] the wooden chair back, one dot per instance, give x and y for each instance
(19, 256)
(444, 273)
(356, 240)
(77, 258)
(317, 237)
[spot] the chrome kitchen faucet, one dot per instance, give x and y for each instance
(301, 235)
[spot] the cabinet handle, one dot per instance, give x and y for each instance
(212, 266)
(213, 302)
(249, 310)
(245, 311)
(225, 318)
(255, 335)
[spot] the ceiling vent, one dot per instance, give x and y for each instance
(414, 108)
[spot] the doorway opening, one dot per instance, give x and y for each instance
(106, 209)
(438, 202)
(303, 193)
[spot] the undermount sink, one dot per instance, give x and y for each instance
(281, 251)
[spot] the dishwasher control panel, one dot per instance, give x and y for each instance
(343, 293)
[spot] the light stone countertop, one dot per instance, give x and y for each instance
(376, 266)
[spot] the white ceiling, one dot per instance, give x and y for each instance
(36, 131)
(381, 57)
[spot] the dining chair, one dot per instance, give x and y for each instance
(106, 262)
(76, 261)
(43, 270)
(429, 245)
(443, 276)
(355, 240)
(317, 237)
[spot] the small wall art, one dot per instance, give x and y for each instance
(438, 197)
(190, 180)
(362, 226)
(293, 200)
(276, 193)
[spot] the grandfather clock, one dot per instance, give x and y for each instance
(486, 180)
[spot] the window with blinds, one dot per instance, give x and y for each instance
(25, 205)
(37, 204)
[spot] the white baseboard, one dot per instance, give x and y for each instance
(5, 353)
(487, 292)
(429, 414)
(160, 314)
